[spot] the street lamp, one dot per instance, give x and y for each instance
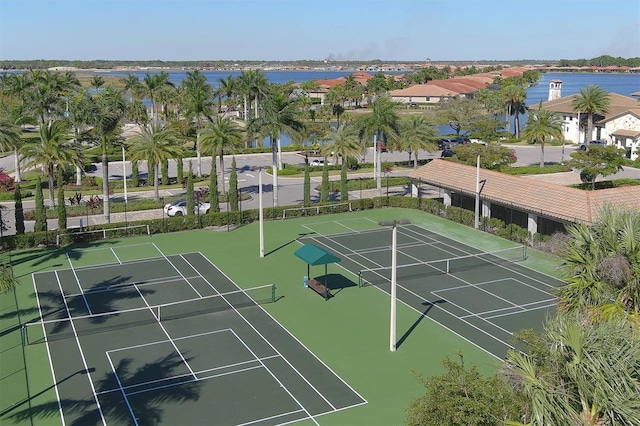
(261, 215)
(394, 248)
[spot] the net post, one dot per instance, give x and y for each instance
(23, 335)
(104, 234)
(148, 231)
(273, 293)
(157, 314)
(359, 279)
(448, 268)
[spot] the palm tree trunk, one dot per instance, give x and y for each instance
(198, 148)
(279, 153)
(16, 161)
(542, 153)
(52, 194)
(105, 184)
(156, 187)
(516, 123)
(78, 175)
(222, 170)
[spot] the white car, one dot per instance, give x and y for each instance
(584, 146)
(179, 208)
(318, 162)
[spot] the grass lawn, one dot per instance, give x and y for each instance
(349, 333)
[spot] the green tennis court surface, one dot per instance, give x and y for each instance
(483, 297)
(172, 340)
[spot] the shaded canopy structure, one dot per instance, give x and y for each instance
(313, 255)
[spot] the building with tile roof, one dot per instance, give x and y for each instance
(536, 205)
(620, 126)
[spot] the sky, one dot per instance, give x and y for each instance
(332, 30)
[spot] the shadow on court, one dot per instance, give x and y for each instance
(417, 322)
(148, 405)
(336, 282)
(288, 242)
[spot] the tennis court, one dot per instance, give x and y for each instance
(483, 297)
(138, 337)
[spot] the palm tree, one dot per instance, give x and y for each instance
(10, 138)
(104, 112)
(417, 133)
(53, 148)
(382, 123)
(11, 119)
(154, 144)
(344, 143)
(280, 114)
(542, 125)
(602, 265)
(198, 103)
(97, 81)
(227, 88)
(514, 96)
(591, 100)
(580, 372)
(220, 137)
(151, 86)
(132, 86)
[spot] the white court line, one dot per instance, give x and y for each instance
(179, 376)
(435, 305)
(142, 345)
(46, 342)
(497, 264)
(124, 394)
(522, 306)
(278, 380)
(174, 267)
(114, 253)
(103, 248)
(84, 361)
(165, 331)
(272, 418)
(79, 286)
(112, 264)
(520, 312)
(294, 338)
(271, 345)
(170, 385)
(153, 281)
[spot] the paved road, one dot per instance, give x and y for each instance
(290, 189)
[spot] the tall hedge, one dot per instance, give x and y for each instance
(19, 212)
(180, 174)
(324, 186)
(214, 198)
(61, 207)
(135, 178)
(151, 173)
(344, 188)
(307, 186)
(41, 214)
(233, 187)
(165, 172)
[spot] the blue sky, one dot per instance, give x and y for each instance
(399, 30)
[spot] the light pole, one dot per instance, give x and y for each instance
(394, 248)
(477, 215)
(261, 211)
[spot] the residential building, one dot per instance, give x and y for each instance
(620, 126)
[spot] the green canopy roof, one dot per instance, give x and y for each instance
(314, 255)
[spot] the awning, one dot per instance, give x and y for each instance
(314, 255)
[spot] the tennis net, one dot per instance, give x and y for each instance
(65, 328)
(378, 276)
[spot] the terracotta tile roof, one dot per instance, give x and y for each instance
(618, 105)
(554, 201)
(423, 90)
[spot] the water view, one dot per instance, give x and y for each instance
(623, 84)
